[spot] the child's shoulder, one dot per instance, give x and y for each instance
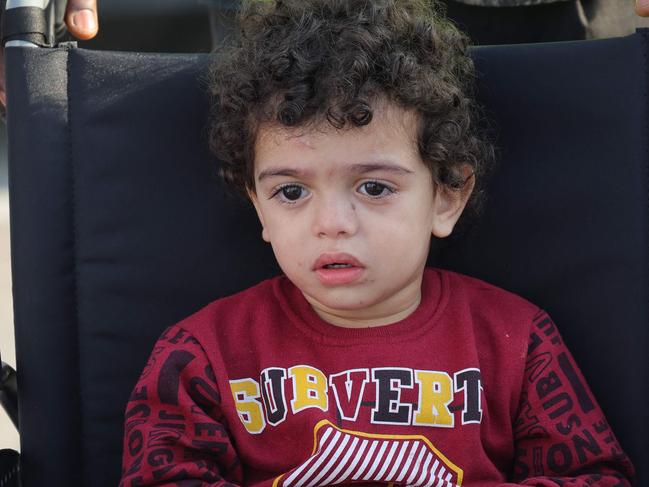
(240, 307)
(486, 298)
(500, 320)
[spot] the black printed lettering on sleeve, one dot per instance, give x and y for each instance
(173, 423)
(559, 430)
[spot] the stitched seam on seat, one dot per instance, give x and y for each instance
(645, 47)
(75, 261)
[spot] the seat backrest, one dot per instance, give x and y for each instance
(119, 227)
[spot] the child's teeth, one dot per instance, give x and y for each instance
(336, 266)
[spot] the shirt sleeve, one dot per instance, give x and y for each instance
(562, 438)
(174, 431)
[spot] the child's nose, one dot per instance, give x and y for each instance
(335, 217)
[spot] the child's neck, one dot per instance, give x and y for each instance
(383, 315)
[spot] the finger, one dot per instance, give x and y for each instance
(81, 18)
(642, 8)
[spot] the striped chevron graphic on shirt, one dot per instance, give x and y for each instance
(342, 456)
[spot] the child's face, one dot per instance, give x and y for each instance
(350, 214)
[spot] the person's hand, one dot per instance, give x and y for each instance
(81, 18)
(642, 8)
(82, 22)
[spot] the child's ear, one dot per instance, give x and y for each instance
(255, 202)
(450, 203)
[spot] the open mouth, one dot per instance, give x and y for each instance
(336, 260)
(337, 266)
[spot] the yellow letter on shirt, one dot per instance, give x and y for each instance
(435, 394)
(246, 393)
(309, 388)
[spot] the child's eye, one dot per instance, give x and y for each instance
(290, 193)
(374, 189)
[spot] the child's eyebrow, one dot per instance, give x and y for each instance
(379, 166)
(282, 171)
(359, 168)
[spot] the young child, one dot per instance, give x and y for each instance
(350, 126)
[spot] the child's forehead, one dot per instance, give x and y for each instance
(387, 143)
(388, 120)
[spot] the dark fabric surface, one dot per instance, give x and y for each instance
(567, 225)
(490, 22)
(119, 228)
(545, 22)
(9, 468)
(43, 274)
(222, 4)
(24, 23)
(559, 21)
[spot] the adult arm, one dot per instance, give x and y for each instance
(174, 432)
(561, 435)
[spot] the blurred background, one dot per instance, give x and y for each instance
(196, 25)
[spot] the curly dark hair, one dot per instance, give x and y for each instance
(302, 62)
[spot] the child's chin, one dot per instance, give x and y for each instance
(346, 300)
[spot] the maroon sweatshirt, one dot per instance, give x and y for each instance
(475, 388)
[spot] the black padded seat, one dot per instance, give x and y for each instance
(119, 227)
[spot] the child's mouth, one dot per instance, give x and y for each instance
(335, 269)
(337, 266)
